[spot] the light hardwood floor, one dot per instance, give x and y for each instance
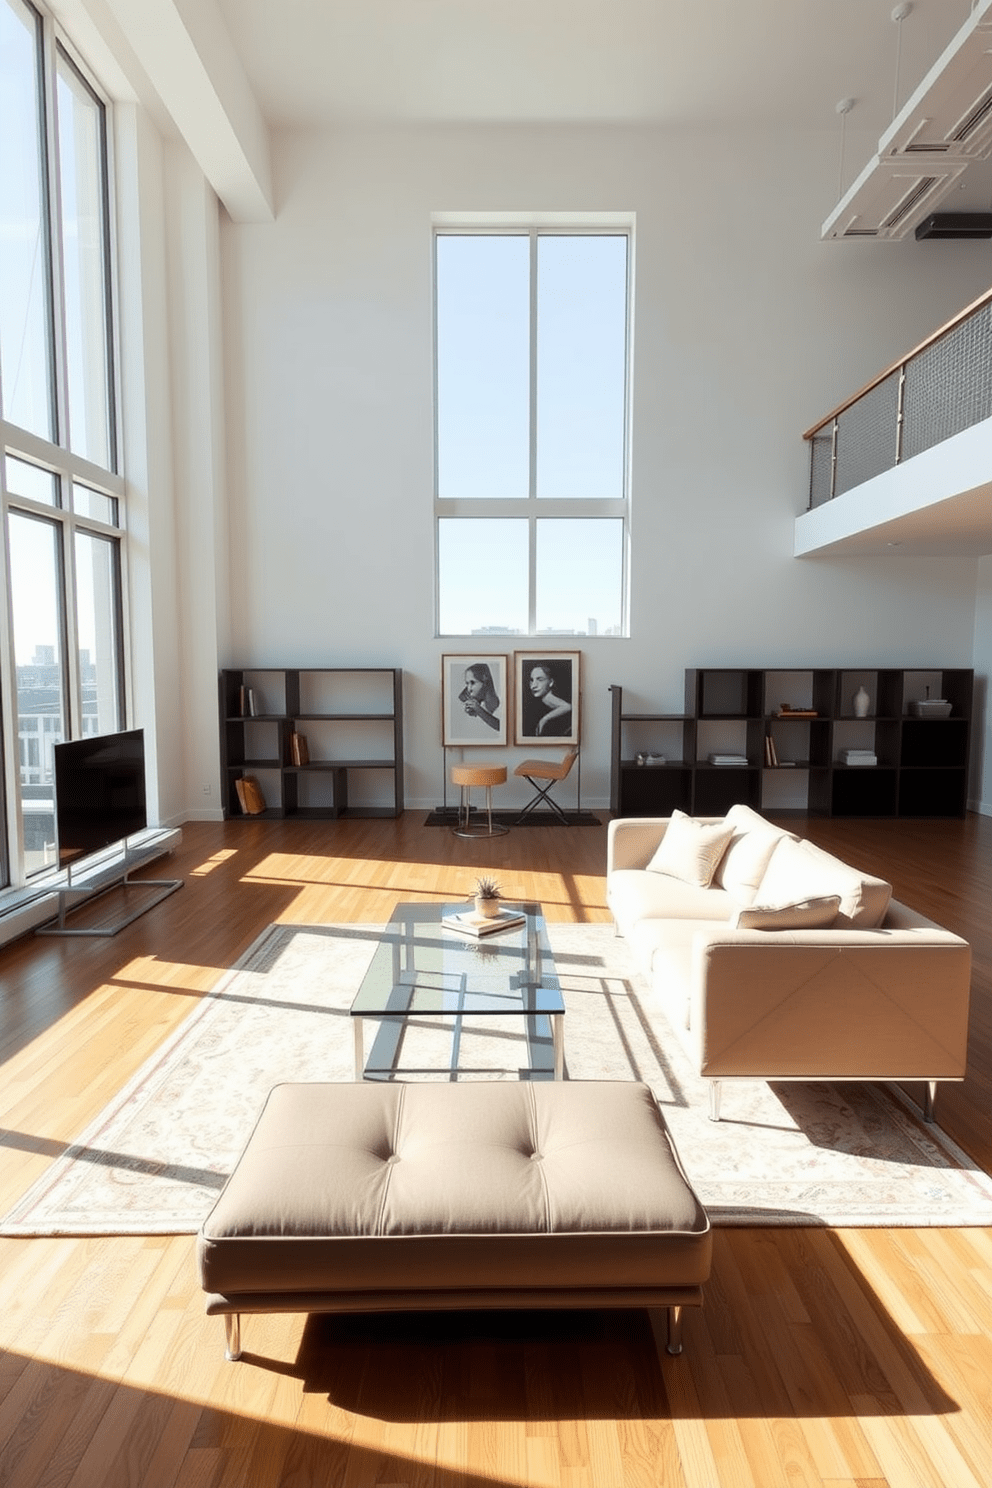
(822, 1357)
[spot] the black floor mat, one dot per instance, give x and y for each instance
(449, 818)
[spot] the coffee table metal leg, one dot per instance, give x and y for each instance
(558, 1038)
(359, 1048)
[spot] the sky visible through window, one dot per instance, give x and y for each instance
(494, 446)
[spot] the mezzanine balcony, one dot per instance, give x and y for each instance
(906, 463)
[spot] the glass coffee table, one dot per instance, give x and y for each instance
(421, 970)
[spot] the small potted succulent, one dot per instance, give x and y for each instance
(487, 896)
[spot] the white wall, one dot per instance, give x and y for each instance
(172, 397)
(747, 329)
(153, 557)
(981, 772)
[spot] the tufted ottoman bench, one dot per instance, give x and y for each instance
(382, 1197)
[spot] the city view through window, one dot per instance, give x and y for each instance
(40, 727)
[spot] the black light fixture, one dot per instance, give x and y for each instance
(956, 225)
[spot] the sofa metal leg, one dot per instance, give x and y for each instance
(930, 1100)
(674, 1344)
(715, 1092)
(232, 1328)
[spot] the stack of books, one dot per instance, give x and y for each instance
(250, 796)
(728, 759)
(859, 757)
(470, 922)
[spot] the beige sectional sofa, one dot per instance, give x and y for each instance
(841, 982)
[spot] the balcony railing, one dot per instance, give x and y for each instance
(940, 388)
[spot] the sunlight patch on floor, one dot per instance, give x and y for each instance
(177, 976)
(211, 863)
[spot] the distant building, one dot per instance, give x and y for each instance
(40, 726)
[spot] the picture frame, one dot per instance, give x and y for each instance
(474, 704)
(548, 704)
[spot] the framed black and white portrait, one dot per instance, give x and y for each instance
(473, 700)
(547, 693)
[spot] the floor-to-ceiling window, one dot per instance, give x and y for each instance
(532, 339)
(62, 493)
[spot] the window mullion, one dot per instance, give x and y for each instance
(12, 847)
(54, 210)
(532, 446)
(70, 630)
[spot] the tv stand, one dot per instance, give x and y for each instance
(86, 893)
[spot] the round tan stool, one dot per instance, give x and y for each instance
(465, 776)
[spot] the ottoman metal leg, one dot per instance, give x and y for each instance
(232, 1328)
(674, 1345)
(666, 1325)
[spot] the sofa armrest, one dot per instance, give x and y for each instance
(887, 1004)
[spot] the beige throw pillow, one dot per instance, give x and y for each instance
(808, 914)
(691, 849)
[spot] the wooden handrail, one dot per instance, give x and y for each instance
(962, 315)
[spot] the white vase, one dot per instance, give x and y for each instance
(862, 702)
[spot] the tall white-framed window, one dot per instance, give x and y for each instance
(61, 491)
(532, 375)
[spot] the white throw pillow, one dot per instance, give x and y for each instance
(691, 849)
(799, 870)
(808, 914)
(743, 865)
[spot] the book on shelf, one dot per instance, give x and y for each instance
(250, 795)
(771, 753)
(470, 922)
(728, 759)
(299, 749)
(785, 711)
(859, 757)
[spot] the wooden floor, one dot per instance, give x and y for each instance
(821, 1357)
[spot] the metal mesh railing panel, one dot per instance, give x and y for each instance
(866, 436)
(821, 466)
(949, 385)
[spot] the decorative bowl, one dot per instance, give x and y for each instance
(930, 708)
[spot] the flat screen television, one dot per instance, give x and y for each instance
(99, 792)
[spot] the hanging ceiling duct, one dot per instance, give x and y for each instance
(943, 127)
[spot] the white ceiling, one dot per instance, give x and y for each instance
(777, 63)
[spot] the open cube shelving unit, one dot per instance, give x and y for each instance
(922, 763)
(352, 719)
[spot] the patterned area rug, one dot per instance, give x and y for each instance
(156, 1158)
